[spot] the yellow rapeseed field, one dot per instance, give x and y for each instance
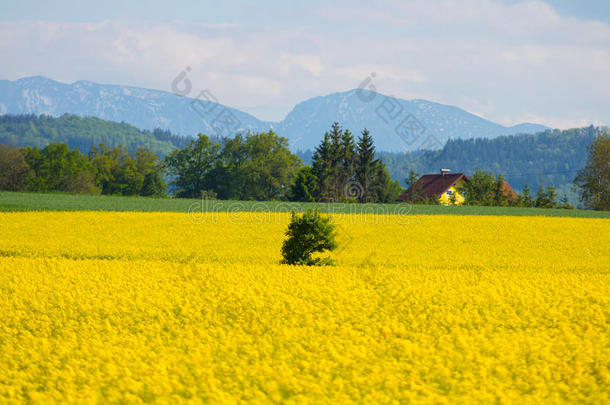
(172, 308)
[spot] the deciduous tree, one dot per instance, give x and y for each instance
(594, 179)
(14, 170)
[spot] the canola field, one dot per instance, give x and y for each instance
(101, 307)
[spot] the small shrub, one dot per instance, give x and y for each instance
(308, 234)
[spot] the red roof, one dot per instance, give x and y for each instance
(434, 185)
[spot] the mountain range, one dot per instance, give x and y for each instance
(397, 125)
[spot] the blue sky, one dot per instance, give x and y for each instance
(508, 61)
(238, 12)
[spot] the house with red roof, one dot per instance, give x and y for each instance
(444, 186)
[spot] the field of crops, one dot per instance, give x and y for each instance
(176, 307)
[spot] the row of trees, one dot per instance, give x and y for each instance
(104, 171)
(342, 170)
(545, 197)
(252, 167)
(261, 167)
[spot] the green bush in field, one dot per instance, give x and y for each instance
(308, 234)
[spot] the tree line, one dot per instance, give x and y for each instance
(255, 166)
(260, 166)
(553, 157)
(104, 170)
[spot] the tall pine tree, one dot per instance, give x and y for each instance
(346, 168)
(365, 165)
(321, 168)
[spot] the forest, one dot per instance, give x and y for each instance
(82, 133)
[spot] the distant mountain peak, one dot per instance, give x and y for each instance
(36, 80)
